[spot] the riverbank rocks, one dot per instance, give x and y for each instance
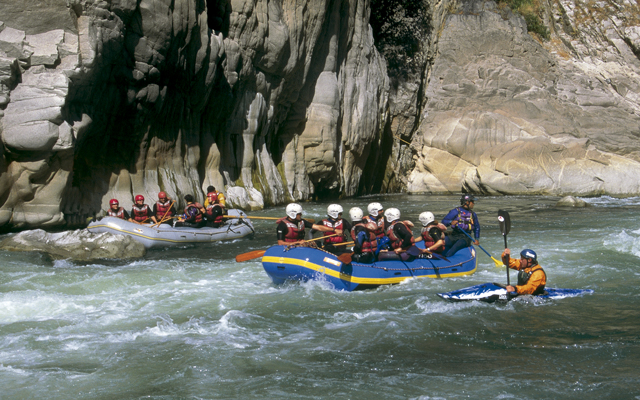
(78, 245)
(506, 115)
(570, 201)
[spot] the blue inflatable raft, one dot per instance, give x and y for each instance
(304, 263)
(491, 292)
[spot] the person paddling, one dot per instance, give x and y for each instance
(290, 230)
(376, 216)
(116, 211)
(531, 278)
(432, 233)
(164, 209)
(192, 214)
(464, 219)
(364, 238)
(140, 212)
(399, 233)
(335, 222)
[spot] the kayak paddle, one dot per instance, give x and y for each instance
(505, 226)
(498, 263)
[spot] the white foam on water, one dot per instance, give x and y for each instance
(624, 242)
(346, 319)
(38, 306)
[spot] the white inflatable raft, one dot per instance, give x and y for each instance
(166, 236)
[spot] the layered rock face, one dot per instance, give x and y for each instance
(278, 101)
(507, 114)
(269, 101)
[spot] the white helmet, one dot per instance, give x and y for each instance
(334, 210)
(373, 209)
(356, 214)
(293, 210)
(426, 218)
(392, 214)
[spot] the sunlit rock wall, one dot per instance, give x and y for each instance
(274, 101)
(268, 101)
(506, 113)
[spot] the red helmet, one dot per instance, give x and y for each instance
(139, 197)
(162, 195)
(113, 201)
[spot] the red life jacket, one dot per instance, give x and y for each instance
(396, 242)
(335, 225)
(218, 219)
(140, 214)
(379, 222)
(428, 240)
(163, 208)
(371, 243)
(295, 230)
(197, 206)
(118, 214)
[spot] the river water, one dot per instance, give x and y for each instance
(191, 323)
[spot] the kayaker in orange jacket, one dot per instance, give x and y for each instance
(531, 278)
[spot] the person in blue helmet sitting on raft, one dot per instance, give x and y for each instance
(291, 229)
(531, 279)
(461, 219)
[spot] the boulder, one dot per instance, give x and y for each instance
(78, 245)
(570, 201)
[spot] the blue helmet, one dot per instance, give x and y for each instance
(528, 253)
(467, 198)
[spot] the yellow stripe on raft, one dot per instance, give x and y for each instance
(355, 279)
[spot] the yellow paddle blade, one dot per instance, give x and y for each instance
(499, 264)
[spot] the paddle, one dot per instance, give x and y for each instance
(259, 253)
(498, 263)
(250, 255)
(164, 217)
(313, 221)
(505, 226)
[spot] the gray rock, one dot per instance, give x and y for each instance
(570, 201)
(79, 245)
(507, 116)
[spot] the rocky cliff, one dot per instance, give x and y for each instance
(279, 101)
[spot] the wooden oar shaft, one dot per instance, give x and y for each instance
(164, 217)
(269, 218)
(321, 237)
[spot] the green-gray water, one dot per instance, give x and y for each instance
(191, 323)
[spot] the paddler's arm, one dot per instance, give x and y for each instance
(403, 233)
(476, 228)
(535, 281)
